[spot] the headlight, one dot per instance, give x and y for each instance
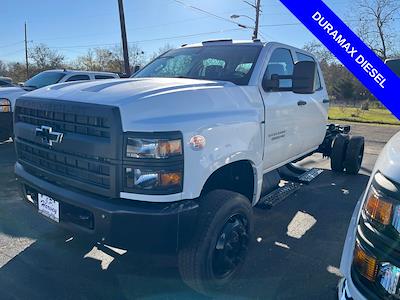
(153, 163)
(154, 180)
(388, 277)
(5, 105)
(153, 148)
(383, 273)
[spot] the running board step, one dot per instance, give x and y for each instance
(278, 195)
(291, 172)
(310, 175)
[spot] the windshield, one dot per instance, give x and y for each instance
(395, 66)
(44, 79)
(229, 63)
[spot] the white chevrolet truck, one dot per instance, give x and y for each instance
(371, 255)
(175, 158)
(9, 94)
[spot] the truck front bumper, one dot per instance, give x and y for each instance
(128, 224)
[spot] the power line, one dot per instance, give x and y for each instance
(12, 53)
(257, 7)
(149, 40)
(206, 12)
(10, 45)
(128, 28)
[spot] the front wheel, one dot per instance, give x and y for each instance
(219, 248)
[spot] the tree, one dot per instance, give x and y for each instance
(3, 68)
(43, 58)
(377, 19)
(16, 71)
(108, 59)
(340, 83)
(320, 52)
(162, 50)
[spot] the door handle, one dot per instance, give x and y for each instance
(301, 102)
(325, 101)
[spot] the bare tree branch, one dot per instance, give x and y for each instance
(377, 18)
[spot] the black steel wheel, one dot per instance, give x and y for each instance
(354, 155)
(219, 247)
(231, 247)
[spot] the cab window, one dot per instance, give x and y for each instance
(103, 77)
(281, 63)
(78, 78)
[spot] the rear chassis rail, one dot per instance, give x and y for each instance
(332, 130)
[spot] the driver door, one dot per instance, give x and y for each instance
(284, 113)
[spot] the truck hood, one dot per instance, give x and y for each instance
(388, 162)
(117, 92)
(12, 90)
(12, 93)
(163, 104)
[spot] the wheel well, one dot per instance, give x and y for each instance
(237, 177)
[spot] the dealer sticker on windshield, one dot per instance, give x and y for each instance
(49, 207)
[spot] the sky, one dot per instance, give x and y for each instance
(74, 26)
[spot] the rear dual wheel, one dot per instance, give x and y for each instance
(219, 248)
(347, 154)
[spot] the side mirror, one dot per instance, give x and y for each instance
(137, 68)
(304, 77)
(394, 64)
(271, 84)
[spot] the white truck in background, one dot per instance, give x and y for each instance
(8, 95)
(175, 158)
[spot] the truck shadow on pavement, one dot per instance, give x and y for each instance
(295, 253)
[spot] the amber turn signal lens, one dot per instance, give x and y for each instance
(5, 105)
(168, 179)
(378, 209)
(365, 264)
(169, 148)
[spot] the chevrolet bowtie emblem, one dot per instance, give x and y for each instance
(48, 135)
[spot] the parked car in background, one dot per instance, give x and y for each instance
(46, 78)
(5, 82)
(371, 255)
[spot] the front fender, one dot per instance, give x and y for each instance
(225, 144)
(231, 118)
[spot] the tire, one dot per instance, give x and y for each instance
(354, 155)
(206, 264)
(338, 153)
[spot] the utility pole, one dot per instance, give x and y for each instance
(26, 54)
(255, 34)
(123, 37)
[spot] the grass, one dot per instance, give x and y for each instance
(352, 114)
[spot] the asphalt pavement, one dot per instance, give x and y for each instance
(295, 253)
